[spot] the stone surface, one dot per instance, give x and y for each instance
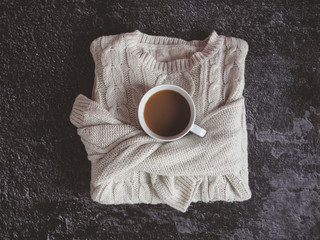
(45, 63)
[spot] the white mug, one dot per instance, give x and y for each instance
(190, 127)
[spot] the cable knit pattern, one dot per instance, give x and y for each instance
(130, 167)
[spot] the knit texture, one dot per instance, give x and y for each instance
(128, 166)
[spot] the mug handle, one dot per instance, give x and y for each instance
(198, 130)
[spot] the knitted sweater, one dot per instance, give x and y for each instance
(128, 166)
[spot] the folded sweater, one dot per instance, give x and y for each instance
(128, 166)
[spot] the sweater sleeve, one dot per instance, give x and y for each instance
(115, 148)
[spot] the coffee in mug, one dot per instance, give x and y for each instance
(167, 113)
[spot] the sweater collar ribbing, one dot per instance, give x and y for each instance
(209, 45)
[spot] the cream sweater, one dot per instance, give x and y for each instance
(128, 166)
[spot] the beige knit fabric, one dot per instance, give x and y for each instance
(128, 166)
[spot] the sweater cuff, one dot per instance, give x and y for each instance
(185, 188)
(80, 105)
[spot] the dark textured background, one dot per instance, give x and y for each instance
(44, 173)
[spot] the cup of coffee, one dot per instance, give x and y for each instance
(167, 113)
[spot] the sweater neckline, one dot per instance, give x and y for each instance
(209, 45)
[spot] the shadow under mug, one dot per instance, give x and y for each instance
(191, 127)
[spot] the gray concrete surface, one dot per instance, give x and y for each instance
(44, 173)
